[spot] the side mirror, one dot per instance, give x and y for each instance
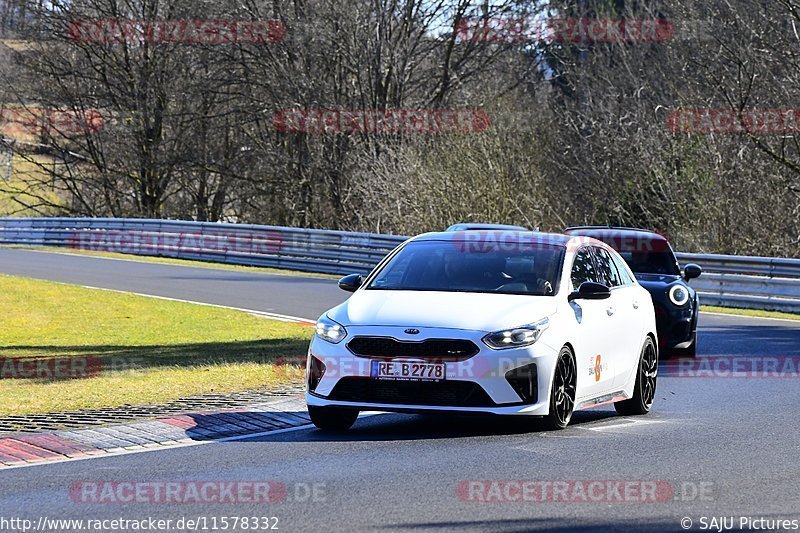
(691, 271)
(590, 290)
(350, 283)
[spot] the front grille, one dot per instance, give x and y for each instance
(437, 349)
(429, 393)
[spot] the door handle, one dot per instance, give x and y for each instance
(610, 311)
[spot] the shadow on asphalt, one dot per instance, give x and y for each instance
(768, 338)
(284, 351)
(217, 425)
(540, 524)
(394, 427)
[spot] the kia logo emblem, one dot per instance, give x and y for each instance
(412, 331)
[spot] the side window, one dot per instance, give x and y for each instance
(583, 268)
(623, 272)
(606, 268)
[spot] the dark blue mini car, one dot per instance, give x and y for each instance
(652, 260)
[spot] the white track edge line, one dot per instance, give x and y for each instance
(132, 260)
(276, 316)
(171, 446)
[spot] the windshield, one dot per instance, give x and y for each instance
(643, 253)
(447, 266)
(651, 262)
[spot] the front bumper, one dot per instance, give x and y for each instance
(676, 326)
(477, 384)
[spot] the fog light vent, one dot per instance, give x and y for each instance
(524, 381)
(316, 369)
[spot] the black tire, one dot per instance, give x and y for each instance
(644, 391)
(332, 418)
(562, 392)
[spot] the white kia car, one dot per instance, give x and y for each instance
(500, 322)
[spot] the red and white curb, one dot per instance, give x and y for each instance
(177, 430)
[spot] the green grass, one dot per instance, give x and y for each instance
(174, 261)
(750, 312)
(151, 350)
(27, 187)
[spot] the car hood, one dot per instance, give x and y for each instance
(455, 310)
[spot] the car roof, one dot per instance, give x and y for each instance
(473, 226)
(608, 231)
(526, 236)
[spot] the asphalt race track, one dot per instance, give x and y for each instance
(725, 446)
(304, 297)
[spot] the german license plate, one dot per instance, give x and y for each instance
(408, 370)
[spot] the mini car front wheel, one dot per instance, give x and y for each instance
(645, 388)
(562, 393)
(332, 418)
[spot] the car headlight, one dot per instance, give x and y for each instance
(516, 337)
(678, 295)
(330, 330)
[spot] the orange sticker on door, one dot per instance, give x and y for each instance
(597, 367)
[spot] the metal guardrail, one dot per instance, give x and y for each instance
(728, 280)
(307, 250)
(769, 283)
